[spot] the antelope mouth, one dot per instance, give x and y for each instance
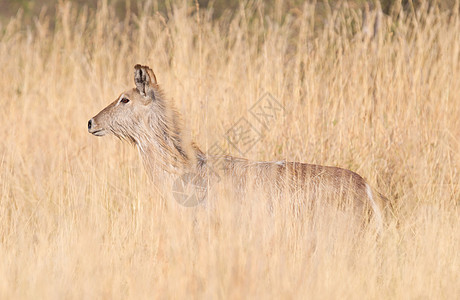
(99, 132)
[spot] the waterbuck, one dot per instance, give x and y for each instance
(144, 117)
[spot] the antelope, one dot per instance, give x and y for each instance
(144, 117)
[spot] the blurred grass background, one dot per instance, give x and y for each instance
(32, 8)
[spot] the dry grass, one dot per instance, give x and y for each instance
(80, 219)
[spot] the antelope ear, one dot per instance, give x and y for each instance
(144, 78)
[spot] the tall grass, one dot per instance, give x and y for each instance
(79, 217)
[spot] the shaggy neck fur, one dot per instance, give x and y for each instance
(161, 141)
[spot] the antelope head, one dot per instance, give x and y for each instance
(142, 116)
(124, 116)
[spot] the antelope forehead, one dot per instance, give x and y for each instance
(132, 95)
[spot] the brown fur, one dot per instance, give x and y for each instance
(152, 123)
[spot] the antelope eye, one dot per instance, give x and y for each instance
(124, 100)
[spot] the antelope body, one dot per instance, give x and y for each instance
(145, 118)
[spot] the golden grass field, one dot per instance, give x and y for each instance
(79, 217)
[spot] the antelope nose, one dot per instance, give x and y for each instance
(90, 124)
